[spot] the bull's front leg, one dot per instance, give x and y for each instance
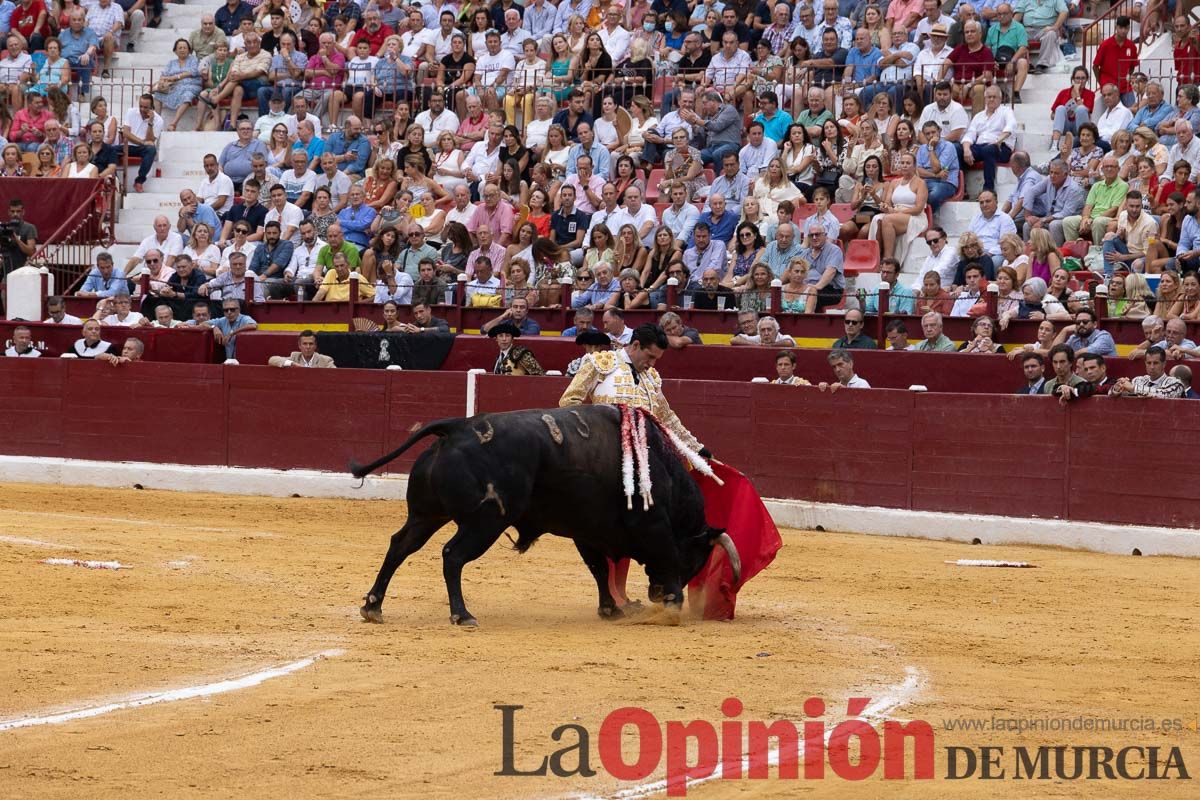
(406, 541)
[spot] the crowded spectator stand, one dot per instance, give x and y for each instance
(631, 160)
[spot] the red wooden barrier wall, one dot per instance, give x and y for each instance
(1107, 460)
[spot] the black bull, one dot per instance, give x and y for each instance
(548, 471)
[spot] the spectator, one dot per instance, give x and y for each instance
(1116, 59)
(903, 209)
(718, 131)
(703, 255)
(721, 223)
(1033, 369)
(1074, 106)
(123, 316)
(897, 336)
(678, 335)
(842, 362)
(1186, 148)
(615, 327)
(305, 355)
(484, 288)
(57, 309)
(973, 66)
(90, 345)
(185, 280)
(987, 135)
(825, 279)
(1155, 383)
(1038, 303)
(767, 334)
(1010, 44)
(1128, 236)
(991, 225)
(583, 322)
(1028, 179)
(80, 46)
(935, 341)
(779, 252)
(1104, 202)
(104, 280)
(968, 301)
(232, 324)
(785, 367)
(937, 164)
(335, 284)
(141, 128)
(711, 296)
(596, 296)
(236, 159)
(1114, 116)
(982, 331)
(1051, 201)
(854, 338)
(22, 344)
(1183, 374)
(1155, 111)
(1044, 22)
(349, 148)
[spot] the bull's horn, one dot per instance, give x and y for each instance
(735, 560)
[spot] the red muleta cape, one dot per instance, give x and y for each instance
(737, 508)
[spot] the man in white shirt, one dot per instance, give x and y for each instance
(969, 295)
(942, 258)
(57, 310)
(141, 127)
(164, 239)
(288, 215)
(440, 40)
(300, 114)
(463, 208)
(436, 119)
(640, 215)
(615, 327)
(123, 316)
(512, 38)
(727, 67)
(483, 160)
(491, 71)
(758, 151)
(616, 39)
(216, 190)
(933, 16)
(1115, 116)
(22, 344)
(538, 128)
(842, 362)
(333, 179)
(928, 66)
(950, 116)
(1186, 148)
(299, 182)
(681, 216)
(989, 135)
(300, 270)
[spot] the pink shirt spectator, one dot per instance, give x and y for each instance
(468, 127)
(337, 61)
(37, 124)
(495, 253)
(582, 202)
(500, 220)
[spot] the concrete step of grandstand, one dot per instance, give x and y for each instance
(142, 219)
(158, 202)
(955, 217)
(191, 168)
(121, 252)
(167, 186)
(177, 143)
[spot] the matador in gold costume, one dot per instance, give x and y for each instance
(627, 377)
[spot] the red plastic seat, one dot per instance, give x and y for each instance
(656, 177)
(804, 211)
(843, 211)
(861, 256)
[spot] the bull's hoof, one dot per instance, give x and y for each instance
(610, 612)
(633, 607)
(464, 621)
(655, 592)
(371, 614)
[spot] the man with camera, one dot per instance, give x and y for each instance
(18, 238)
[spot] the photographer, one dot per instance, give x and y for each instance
(18, 239)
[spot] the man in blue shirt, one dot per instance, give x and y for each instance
(1087, 338)
(775, 122)
(237, 157)
(349, 148)
(706, 253)
(825, 279)
(601, 160)
(943, 181)
(1155, 111)
(232, 323)
(901, 299)
(104, 280)
(732, 184)
(229, 16)
(356, 218)
(719, 221)
(80, 47)
(862, 60)
(780, 252)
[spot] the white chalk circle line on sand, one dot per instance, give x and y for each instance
(170, 696)
(86, 564)
(894, 697)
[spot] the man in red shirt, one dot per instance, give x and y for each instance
(31, 20)
(1115, 58)
(374, 31)
(28, 129)
(973, 65)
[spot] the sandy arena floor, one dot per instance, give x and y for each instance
(224, 586)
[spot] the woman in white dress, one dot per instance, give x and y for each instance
(871, 145)
(204, 254)
(799, 155)
(447, 163)
(80, 166)
(903, 216)
(772, 187)
(558, 148)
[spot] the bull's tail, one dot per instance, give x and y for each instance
(441, 427)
